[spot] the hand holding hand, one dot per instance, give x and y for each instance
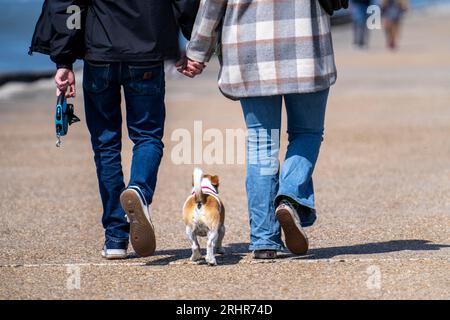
(65, 79)
(189, 68)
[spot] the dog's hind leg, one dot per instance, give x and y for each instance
(219, 247)
(213, 236)
(196, 254)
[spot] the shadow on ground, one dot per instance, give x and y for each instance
(233, 254)
(236, 251)
(373, 248)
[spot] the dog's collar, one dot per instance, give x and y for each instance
(208, 190)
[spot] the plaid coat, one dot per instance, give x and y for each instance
(267, 47)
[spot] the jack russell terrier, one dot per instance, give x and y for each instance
(204, 216)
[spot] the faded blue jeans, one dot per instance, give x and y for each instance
(266, 184)
(359, 17)
(144, 88)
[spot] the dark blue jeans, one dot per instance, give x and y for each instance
(144, 88)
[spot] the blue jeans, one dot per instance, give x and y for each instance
(265, 184)
(359, 17)
(144, 88)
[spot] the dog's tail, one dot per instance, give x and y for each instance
(197, 181)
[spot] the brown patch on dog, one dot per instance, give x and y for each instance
(214, 180)
(188, 211)
(214, 211)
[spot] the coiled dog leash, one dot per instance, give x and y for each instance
(64, 117)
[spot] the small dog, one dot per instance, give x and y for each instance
(204, 216)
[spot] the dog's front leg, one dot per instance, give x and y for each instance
(211, 245)
(196, 254)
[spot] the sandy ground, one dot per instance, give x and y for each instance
(382, 183)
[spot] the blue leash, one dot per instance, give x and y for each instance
(64, 117)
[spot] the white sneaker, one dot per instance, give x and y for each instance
(142, 233)
(113, 254)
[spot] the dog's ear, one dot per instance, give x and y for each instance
(215, 181)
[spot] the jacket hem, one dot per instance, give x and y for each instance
(235, 96)
(130, 57)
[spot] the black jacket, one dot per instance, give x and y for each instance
(113, 30)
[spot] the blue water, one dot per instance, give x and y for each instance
(17, 20)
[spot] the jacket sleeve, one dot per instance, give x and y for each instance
(52, 35)
(185, 13)
(206, 30)
(66, 42)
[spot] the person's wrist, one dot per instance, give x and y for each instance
(68, 66)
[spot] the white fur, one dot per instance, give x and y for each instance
(196, 254)
(210, 246)
(198, 177)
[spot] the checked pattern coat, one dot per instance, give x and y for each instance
(266, 47)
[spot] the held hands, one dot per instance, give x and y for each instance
(189, 68)
(65, 79)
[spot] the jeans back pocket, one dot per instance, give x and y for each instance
(96, 76)
(146, 79)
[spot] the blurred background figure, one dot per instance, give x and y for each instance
(359, 18)
(392, 11)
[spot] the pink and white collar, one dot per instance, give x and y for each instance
(207, 189)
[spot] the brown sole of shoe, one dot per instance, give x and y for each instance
(295, 238)
(142, 234)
